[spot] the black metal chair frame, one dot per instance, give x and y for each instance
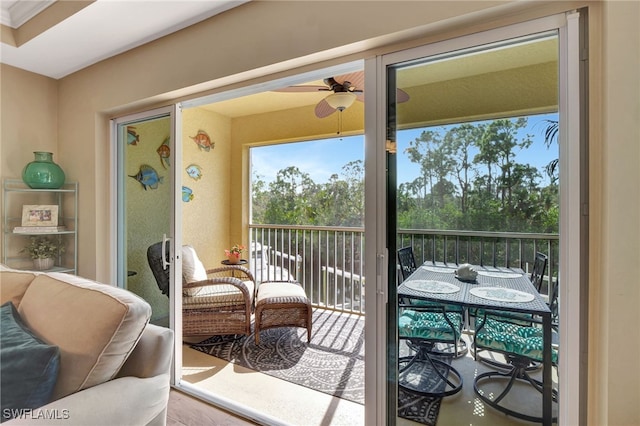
(408, 265)
(451, 380)
(518, 370)
(536, 278)
(538, 271)
(407, 262)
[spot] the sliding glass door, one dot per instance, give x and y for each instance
(145, 203)
(476, 138)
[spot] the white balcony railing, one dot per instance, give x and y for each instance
(329, 261)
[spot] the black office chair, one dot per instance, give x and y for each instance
(162, 275)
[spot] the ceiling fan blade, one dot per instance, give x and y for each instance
(323, 109)
(355, 78)
(401, 96)
(294, 89)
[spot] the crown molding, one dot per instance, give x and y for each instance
(14, 13)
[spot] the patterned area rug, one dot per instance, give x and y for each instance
(421, 409)
(332, 363)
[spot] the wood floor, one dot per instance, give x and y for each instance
(184, 410)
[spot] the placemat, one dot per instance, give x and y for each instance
(431, 286)
(500, 294)
(442, 269)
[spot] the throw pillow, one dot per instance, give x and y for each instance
(29, 366)
(192, 270)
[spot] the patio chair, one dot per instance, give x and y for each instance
(538, 271)
(407, 262)
(522, 346)
(216, 301)
(424, 327)
(536, 277)
(408, 265)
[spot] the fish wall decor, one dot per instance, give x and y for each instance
(132, 136)
(203, 141)
(164, 151)
(148, 177)
(187, 194)
(194, 171)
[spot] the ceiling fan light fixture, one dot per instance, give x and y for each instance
(341, 100)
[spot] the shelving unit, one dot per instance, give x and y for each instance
(16, 194)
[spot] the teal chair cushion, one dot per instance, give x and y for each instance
(426, 303)
(513, 317)
(512, 339)
(433, 326)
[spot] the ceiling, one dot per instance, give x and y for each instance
(478, 69)
(60, 40)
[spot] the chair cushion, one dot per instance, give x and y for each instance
(513, 339)
(213, 296)
(192, 270)
(96, 326)
(512, 317)
(430, 325)
(269, 290)
(427, 303)
(29, 366)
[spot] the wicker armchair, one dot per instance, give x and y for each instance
(216, 301)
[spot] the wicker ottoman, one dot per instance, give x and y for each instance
(282, 304)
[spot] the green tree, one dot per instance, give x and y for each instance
(461, 139)
(291, 198)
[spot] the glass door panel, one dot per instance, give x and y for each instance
(145, 207)
(472, 154)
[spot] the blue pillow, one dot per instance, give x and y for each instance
(28, 366)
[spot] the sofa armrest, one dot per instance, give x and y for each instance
(123, 401)
(152, 355)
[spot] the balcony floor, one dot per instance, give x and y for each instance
(299, 405)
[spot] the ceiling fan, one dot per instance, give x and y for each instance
(345, 90)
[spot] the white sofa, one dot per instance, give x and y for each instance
(114, 367)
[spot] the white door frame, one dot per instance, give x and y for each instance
(570, 212)
(118, 175)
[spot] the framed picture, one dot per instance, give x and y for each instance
(45, 215)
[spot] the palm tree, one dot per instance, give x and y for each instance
(551, 136)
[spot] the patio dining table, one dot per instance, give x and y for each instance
(500, 289)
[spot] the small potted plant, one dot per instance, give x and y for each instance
(233, 254)
(43, 250)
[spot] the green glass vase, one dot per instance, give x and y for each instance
(42, 172)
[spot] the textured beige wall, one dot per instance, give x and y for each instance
(28, 118)
(616, 289)
(246, 43)
(148, 211)
(28, 122)
(205, 219)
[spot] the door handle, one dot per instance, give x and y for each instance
(165, 263)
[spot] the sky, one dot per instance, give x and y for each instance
(320, 159)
